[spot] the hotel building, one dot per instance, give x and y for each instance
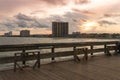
(59, 29)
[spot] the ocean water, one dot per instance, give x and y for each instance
(30, 40)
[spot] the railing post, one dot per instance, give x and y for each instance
(86, 53)
(116, 49)
(53, 51)
(91, 47)
(38, 59)
(23, 57)
(105, 48)
(15, 62)
(74, 48)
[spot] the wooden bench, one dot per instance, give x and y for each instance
(25, 56)
(109, 48)
(80, 51)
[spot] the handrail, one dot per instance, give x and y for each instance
(53, 46)
(18, 47)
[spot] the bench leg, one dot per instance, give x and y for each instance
(38, 59)
(15, 66)
(108, 52)
(76, 58)
(37, 63)
(85, 57)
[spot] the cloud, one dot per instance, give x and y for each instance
(10, 6)
(38, 11)
(24, 17)
(82, 1)
(27, 21)
(74, 15)
(112, 15)
(75, 19)
(23, 21)
(69, 17)
(103, 22)
(54, 2)
(65, 2)
(82, 11)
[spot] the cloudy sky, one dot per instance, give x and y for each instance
(88, 16)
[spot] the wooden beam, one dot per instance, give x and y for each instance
(20, 47)
(91, 47)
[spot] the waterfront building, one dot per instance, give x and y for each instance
(59, 29)
(24, 33)
(8, 34)
(76, 34)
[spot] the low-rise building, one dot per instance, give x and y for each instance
(24, 33)
(8, 34)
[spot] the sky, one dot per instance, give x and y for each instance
(85, 16)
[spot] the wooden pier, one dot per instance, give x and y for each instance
(97, 68)
(92, 68)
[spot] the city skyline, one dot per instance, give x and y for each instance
(86, 16)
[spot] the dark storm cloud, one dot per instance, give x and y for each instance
(103, 22)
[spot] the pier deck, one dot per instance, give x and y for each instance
(96, 68)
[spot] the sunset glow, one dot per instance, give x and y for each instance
(37, 15)
(89, 25)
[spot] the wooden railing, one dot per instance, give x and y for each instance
(52, 46)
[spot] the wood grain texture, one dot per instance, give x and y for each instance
(97, 68)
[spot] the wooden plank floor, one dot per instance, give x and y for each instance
(97, 68)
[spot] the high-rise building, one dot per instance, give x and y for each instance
(24, 33)
(59, 29)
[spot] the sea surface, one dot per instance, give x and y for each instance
(32, 40)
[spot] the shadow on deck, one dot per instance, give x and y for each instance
(96, 68)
